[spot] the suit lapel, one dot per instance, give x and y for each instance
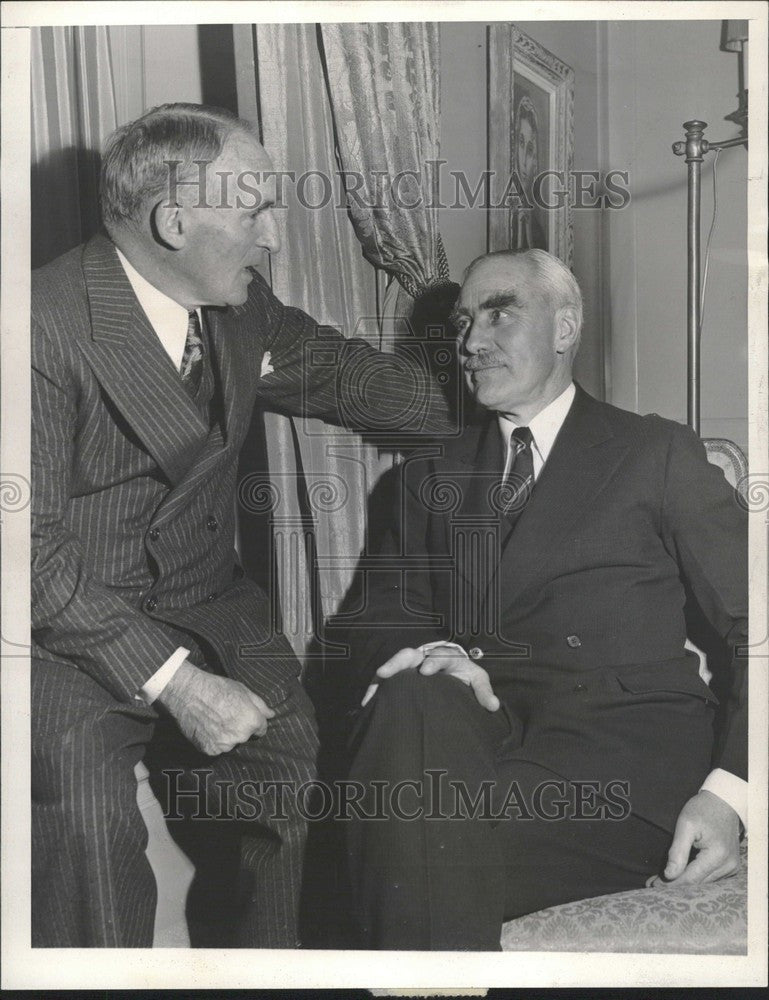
(475, 466)
(487, 467)
(133, 367)
(583, 458)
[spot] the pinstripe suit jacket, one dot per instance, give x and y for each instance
(133, 494)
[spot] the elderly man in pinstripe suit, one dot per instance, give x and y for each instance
(147, 362)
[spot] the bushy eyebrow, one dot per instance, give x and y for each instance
(499, 300)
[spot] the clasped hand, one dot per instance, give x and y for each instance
(439, 659)
(214, 713)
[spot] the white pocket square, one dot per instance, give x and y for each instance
(267, 368)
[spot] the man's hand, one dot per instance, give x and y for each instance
(439, 659)
(710, 826)
(214, 713)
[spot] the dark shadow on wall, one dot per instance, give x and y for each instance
(64, 202)
(217, 66)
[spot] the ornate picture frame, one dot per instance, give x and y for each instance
(530, 144)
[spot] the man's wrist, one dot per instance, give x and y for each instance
(730, 789)
(169, 698)
(154, 687)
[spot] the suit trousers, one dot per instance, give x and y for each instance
(458, 831)
(92, 885)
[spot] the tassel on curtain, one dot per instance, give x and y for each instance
(73, 111)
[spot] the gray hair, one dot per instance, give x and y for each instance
(135, 167)
(552, 274)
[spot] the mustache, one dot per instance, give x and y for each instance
(480, 361)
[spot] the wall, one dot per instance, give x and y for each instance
(171, 64)
(464, 144)
(660, 75)
(154, 64)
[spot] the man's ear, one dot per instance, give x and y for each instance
(566, 329)
(168, 225)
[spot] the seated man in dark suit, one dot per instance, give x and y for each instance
(534, 730)
(150, 349)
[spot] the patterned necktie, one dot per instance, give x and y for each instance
(192, 359)
(520, 479)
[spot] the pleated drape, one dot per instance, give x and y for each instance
(323, 474)
(73, 111)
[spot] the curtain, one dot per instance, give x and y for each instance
(321, 475)
(384, 87)
(73, 111)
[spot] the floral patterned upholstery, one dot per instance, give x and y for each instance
(706, 919)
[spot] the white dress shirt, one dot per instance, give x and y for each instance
(544, 430)
(169, 320)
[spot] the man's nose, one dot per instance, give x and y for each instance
(269, 236)
(474, 339)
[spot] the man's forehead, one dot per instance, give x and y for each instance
(242, 167)
(493, 276)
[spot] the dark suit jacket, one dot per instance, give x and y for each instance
(133, 493)
(585, 598)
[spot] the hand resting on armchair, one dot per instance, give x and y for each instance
(709, 826)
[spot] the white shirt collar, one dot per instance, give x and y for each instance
(168, 319)
(545, 426)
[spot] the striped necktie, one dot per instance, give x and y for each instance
(520, 478)
(194, 349)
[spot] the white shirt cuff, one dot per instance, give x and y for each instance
(153, 688)
(730, 788)
(427, 646)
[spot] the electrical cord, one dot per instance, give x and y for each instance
(707, 245)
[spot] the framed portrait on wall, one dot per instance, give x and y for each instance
(530, 143)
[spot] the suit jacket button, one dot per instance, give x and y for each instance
(580, 687)
(212, 524)
(573, 641)
(154, 534)
(475, 653)
(210, 598)
(151, 604)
